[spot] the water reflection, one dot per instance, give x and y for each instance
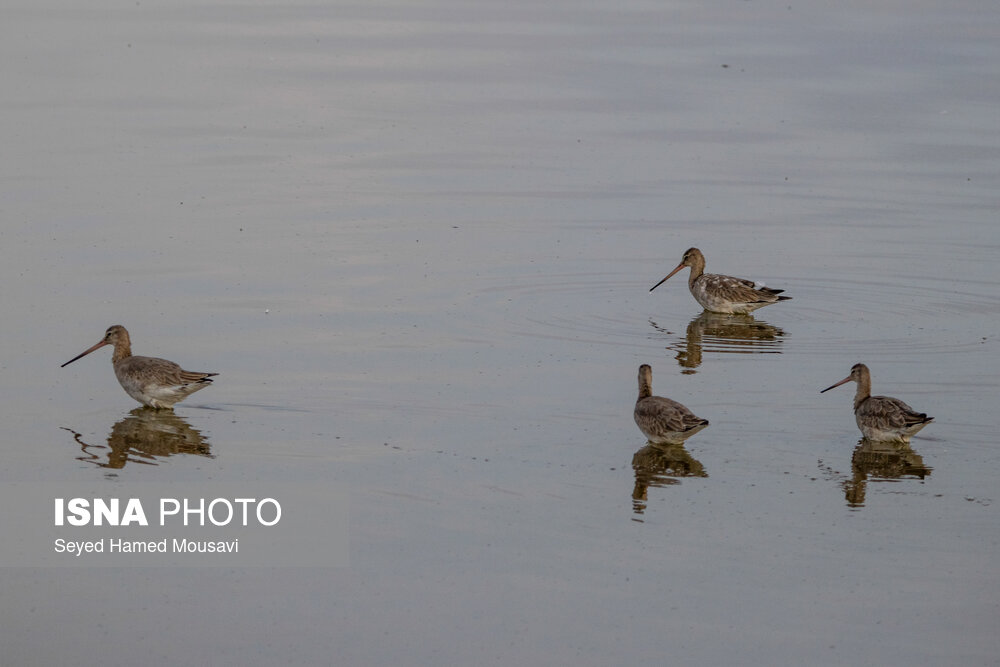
(143, 436)
(659, 465)
(880, 461)
(722, 333)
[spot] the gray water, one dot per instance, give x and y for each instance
(416, 240)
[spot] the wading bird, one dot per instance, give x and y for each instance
(723, 294)
(662, 420)
(157, 383)
(881, 417)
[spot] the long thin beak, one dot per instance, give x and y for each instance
(679, 267)
(83, 354)
(846, 379)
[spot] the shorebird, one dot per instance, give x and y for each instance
(662, 420)
(881, 417)
(723, 294)
(157, 383)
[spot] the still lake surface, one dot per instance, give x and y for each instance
(416, 240)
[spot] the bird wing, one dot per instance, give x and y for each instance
(666, 415)
(738, 290)
(147, 372)
(887, 413)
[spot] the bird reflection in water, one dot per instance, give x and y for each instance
(661, 465)
(144, 436)
(880, 461)
(724, 334)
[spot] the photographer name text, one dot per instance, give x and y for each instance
(122, 546)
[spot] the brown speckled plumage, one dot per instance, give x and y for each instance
(723, 294)
(660, 419)
(881, 417)
(154, 382)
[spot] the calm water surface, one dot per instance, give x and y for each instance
(416, 241)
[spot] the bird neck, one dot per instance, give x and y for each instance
(697, 269)
(863, 392)
(123, 350)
